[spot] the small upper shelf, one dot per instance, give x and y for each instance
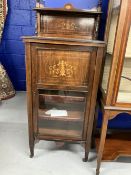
(46, 10)
(68, 22)
(69, 8)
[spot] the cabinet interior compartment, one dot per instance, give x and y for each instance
(61, 112)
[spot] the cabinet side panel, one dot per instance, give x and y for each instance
(29, 94)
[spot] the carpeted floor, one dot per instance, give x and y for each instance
(49, 159)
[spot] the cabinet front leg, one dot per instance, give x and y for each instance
(95, 126)
(85, 159)
(31, 144)
(89, 139)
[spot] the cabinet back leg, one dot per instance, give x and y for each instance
(102, 141)
(85, 159)
(31, 144)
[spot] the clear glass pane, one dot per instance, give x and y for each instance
(124, 94)
(110, 46)
(61, 113)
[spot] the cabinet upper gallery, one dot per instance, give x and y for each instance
(68, 22)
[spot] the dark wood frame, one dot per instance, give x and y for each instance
(108, 102)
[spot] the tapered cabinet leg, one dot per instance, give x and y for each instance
(87, 148)
(31, 144)
(89, 138)
(31, 151)
(102, 141)
(94, 126)
(85, 159)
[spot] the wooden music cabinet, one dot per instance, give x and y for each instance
(63, 65)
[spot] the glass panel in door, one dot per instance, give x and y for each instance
(61, 113)
(124, 94)
(110, 45)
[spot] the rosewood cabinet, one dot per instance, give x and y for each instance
(115, 90)
(62, 76)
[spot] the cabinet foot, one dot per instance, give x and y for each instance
(97, 172)
(31, 152)
(85, 159)
(31, 155)
(32, 149)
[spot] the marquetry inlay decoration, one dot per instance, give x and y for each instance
(67, 26)
(62, 69)
(68, 6)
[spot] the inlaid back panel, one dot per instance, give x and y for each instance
(68, 22)
(67, 26)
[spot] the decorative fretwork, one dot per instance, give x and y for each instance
(40, 3)
(99, 7)
(62, 69)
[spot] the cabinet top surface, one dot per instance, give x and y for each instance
(57, 40)
(45, 10)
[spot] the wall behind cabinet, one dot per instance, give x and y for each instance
(21, 21)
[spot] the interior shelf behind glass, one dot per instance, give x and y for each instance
(61, 113)
(69, 105)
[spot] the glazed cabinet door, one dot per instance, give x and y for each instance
(111, 35)
(122, 87)
(62, 82)
(124, 91)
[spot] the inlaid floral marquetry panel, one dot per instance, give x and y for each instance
(63, 66)
(62, 69)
